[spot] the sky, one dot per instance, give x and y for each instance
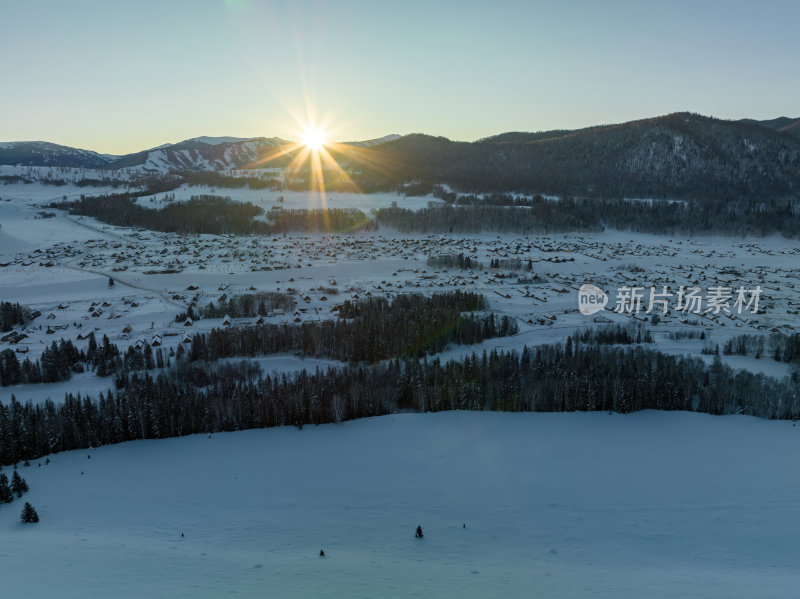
(122, 77)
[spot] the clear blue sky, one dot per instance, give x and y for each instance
(118, 77)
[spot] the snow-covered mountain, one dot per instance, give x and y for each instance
(215, 153)
(43, 153)
(676, 155)
(198, 153)
(201, 153)
(225, 139)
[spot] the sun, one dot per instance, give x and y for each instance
(313, 139)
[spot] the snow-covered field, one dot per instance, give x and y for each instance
(555, 505)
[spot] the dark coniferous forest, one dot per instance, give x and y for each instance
(491, 213)
(13, 314)
(369, 330)
(192, 397)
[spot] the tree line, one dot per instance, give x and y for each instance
(491, 212)
(201, 214)
(192, 398)
(463, 262)
(60, 360)
(507, 213)
(245, 305)
(369, 330)
(217, 179)
(781, 348)
(613, 335)
(215, 215)
(546, 217)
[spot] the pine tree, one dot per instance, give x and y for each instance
(18, 484)
(91, 351)
(29, 515)
(6, 496)
(419, 532)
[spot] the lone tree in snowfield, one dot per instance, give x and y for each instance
(29, 515)
(419, 532)
(110, 282)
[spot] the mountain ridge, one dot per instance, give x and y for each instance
(672, 156)
(44, 153)
(197, 153)
(679, 155)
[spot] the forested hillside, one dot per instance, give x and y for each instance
(680, 155)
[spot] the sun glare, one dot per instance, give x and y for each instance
(314, 139)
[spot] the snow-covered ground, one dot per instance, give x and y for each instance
(555, 505)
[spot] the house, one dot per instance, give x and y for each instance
(260, 319)
(188, 322)
(139, 343)
(226, 321)
(187, 338)
(156, 342)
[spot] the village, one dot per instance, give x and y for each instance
(131, 285)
